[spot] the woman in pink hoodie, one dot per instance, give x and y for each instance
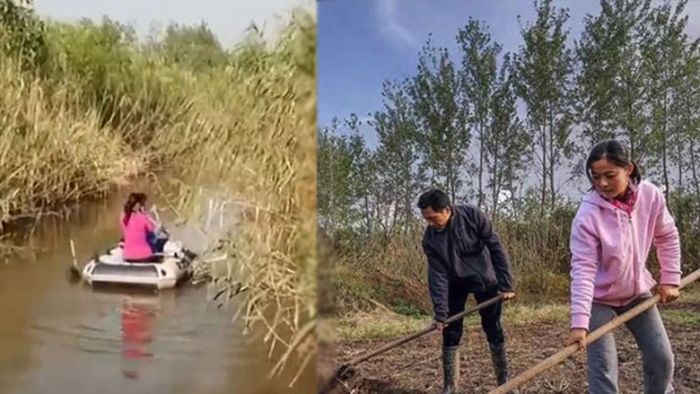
(611, 236)
(138, 231)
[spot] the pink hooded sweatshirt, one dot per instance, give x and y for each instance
(135, 234)
(609, 250)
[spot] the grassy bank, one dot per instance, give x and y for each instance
(85, 107)
(79, 107)
(265, 156)
(391, 269)
(382, 323)
(51, 153)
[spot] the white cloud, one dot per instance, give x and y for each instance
(390, 27)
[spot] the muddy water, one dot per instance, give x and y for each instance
(62, 337)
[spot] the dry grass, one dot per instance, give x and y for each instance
(50, 153)
(244, 129)
(392, 269)
(262, 149)
(381, 323)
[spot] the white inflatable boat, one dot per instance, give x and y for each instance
(110, 268)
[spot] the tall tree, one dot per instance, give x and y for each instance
(508, 143)
(631, 93)
(684, 118)
(662, 53)
(610, 83)
(397, 155)
(478, 77)
(689, 106)
(336, 198)
(362, 171)
(441, 115)
(544, 75)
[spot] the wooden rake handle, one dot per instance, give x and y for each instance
(591, 337)
(418, 334)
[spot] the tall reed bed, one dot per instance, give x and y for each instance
(259, 141)
(50, 152)
(86, 106)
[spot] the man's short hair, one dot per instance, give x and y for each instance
(435, 199)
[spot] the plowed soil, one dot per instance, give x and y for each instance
(415, 366)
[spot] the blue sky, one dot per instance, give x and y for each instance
(363, 42)
(228, 19)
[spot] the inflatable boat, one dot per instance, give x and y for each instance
(110, 268)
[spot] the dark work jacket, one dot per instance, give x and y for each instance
(467, 251)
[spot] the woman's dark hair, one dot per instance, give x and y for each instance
(134, 198)
(614, 152)
(435, 199)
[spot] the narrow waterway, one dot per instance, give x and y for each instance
(63, 337)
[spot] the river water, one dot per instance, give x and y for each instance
(63, 337)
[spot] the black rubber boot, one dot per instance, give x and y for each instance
(500, 364)
(450, 369)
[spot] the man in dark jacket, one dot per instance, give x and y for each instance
(464, 256)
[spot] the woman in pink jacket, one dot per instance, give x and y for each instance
(611, 236)
(138, 231)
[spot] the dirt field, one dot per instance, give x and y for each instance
(415, 366)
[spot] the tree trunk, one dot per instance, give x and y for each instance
(551, 159)
(693, 167)
(543, 143)
(664, 149)
(494, 176)
(331, 196)
(450, 173)
(481, 164)
(368, 215)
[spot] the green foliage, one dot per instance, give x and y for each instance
(479, 73)
(544, 67)
(22, 35)
(508, 146)
(336, 192)
(633, 74)
(610, 84)
(441, 115)
(397, 158)
(193, 47)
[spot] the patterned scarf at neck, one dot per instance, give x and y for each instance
(626, 200)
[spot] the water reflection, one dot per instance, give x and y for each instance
(137, 319)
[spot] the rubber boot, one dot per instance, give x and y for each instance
(500, 364)
(450, 369)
